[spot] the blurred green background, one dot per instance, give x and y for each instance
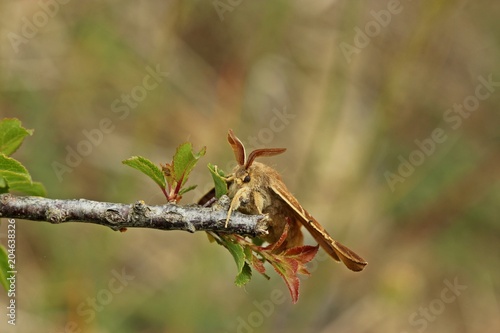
(347, 86)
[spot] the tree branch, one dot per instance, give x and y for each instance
(138, 215)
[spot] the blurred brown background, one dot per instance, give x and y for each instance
(389, 111)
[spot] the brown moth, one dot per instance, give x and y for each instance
(255, 188)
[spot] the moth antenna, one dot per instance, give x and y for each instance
(238, 148)
(263, 152)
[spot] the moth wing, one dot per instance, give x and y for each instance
(335, 249)
(207, 197)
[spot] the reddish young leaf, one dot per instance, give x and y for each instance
(258, 265)
(290, 263)
(279, 241)
(303, 254)
(288, 271)
(287, 264)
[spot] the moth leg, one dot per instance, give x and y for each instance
(243, 194)
(228, 179)
(258, 200)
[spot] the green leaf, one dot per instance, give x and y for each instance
(4, 268)
(244, 270)
(13, 171)
(255, 262)
(187, 189)
(237, 252)
(219, 180)
(35, 188)
(245, 275)
(148, 168)
(174, 174)
(4, 188)
(184, 161)
(17, 178)
(12, 135)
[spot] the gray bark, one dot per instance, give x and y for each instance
(119, 216)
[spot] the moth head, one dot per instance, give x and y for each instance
(244, 170)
